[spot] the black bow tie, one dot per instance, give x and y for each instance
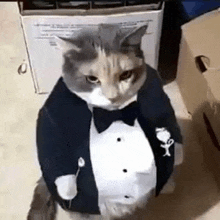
(104, 118)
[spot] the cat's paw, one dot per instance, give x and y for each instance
(66, 186)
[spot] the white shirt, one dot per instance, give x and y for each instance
(123, 164)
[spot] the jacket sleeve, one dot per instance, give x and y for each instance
(52, 147)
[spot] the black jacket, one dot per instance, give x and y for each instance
(63, 136)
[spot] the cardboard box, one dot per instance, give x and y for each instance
(198, 74)
(212, 111)
(40, 26)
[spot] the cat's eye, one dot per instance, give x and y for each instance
(92, 79)
(126, 75)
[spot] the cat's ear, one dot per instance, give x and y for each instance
(65, 44)
(134, 37)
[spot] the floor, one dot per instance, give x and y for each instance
(196, 196)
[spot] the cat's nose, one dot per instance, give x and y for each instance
(110, 92)
(112, 96)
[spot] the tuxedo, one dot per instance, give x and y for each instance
(65, 127)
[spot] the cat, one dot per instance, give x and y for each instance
(105, 68)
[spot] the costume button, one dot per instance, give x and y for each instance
(125, 170)
(118, 139)
(127, 197)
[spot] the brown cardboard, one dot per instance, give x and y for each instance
(212, 111)
(198, 74)
(200, 45)
(212, 76)
(189, 78)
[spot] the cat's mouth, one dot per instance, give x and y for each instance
(108, 105)
(97, 99)
(111, 106)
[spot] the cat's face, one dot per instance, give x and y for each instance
(104, 72)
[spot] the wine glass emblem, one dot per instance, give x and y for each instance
(164, 136)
